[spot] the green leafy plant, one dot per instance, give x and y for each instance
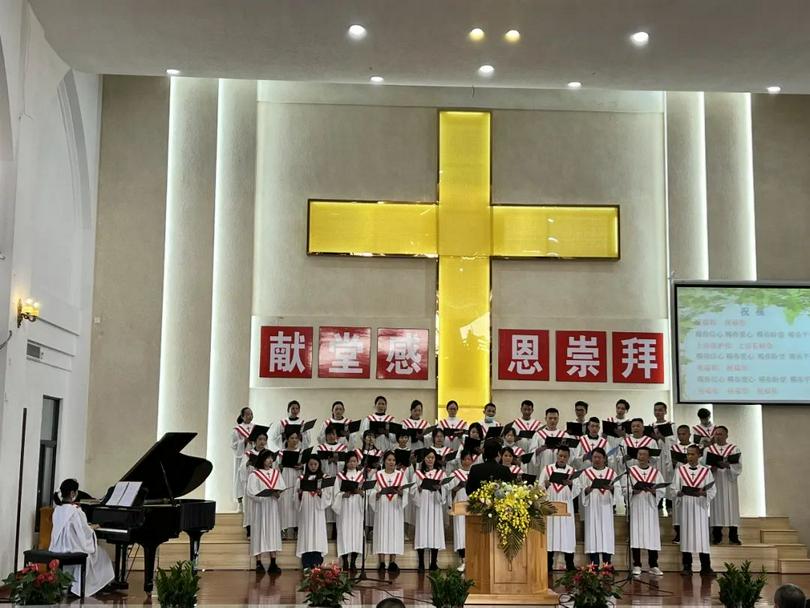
(38, 584)
(326, 586)
(178, 586)
(590, 586)
(739, 587)
(449, 588)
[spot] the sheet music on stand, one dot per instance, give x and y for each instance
(124, 494)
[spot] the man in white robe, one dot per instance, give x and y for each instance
(545, 456)
(702, 433)
(665, 444)
(526, 424)
(645, 532)
(694, 490)
(681, 446)
(725, 511)
(597, 508)
(72, 534)
(561, 530)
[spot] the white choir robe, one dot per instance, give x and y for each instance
(613, 443)
(275, 441)
(288, 503)
(457, 424)
(527, 445)
(489, 425)
(383, 442)
(244, 472)
(597, 510)
(265, 525)
(330, 469)
(410, 423)
(349, 513)
(542, 459)
(348, 441)
(389, 517)
(694, 510)
(725, 509)
(239, 436)
(459, 521)
(72, 534)
(429, 526)
(665, 460)
(561, 530)
(312, 522)
(645, 531)
(581, 458)
(676, 447)
(704, 432)
(410, 509)
(632, 442)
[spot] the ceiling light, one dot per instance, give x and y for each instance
(512, 36)
(486, 70)
(773, 90)
(173, 72)
(357, 32)
(640, 38)
(476, 34)
(574, 84)
(377, 79)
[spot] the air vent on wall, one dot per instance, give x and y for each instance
(34, 350)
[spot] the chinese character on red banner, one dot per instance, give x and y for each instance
(523, 354)
(581, 356)
(285, 352)
(402, 354)
(344, 352)
(638, 357)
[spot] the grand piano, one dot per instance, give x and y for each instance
(159, 513)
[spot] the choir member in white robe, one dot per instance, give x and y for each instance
(429, 529)
(589, 441)
(278, 431)
(488, 422)
(444, 453)
(265, 525)
(454, 427)
(239, 435)
(333, 464)
(561, 530)
(622, 407)
(458, 493)
(312, 543)
(338, 418)
(645, 532)
(508, 459)
(597, 509)
(635, 440)
(288, 503)
(543, 455)
(665, 444)
(703, 432)
(248, 460)
(415, 424)
(348, 507)
(526, 424)
(72, 534)
(370, 463)
(581, 416)
(389, 520)
(684, 434)
(725, 511)
(382, 441)
(694, 510)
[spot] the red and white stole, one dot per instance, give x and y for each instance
(589, 444)
(606, 473)
(525, 425)
(457, 424)
(251, 452)
(436, 474)
(641, 442)
(516, 450)
(269, 477)
(461, 475)
(344, 421)
(243, 430)
(333, 447)
(410, 423)
(379, 418)
(302, 477)
(515, 469)
(397, 481)
(350, 475)
(703, 431)
(552, 468)
(722, 450)
(442, 451)
(549, 433)
(693, 478)
(287, 421)
(643, 475)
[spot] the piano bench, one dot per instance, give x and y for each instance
(38, 556)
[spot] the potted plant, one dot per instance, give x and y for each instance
(326, 586)
(449, 588)
(739, 587)
(38, 584)
(591, 586)
(178, 586)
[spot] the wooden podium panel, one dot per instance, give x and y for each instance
(497, 581)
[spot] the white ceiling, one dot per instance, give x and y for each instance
(710, 45)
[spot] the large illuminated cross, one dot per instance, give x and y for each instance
(464, 230)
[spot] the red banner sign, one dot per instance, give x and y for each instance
(344, 352)
(402, 354)
(523, 354)
(285, 352)
(638, 357)
(581, 356)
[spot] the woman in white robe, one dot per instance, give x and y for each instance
(348, 507)
(288, 503)
(312, 543)
(454, 427)
(278, 431)
(597, 509)
(429, 525)
(72, 534)
(417, 423)
(239, 435)
(383, 441)
(245, 469)
(645, 531)
(458, 493)
(265, 523)
(694, 510)
(338, 417)
(561, 530)
(389, 518)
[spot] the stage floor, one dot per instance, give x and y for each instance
(246, 588)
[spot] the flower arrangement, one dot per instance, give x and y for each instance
(511, 509)
(178, 586)
(591, 586)
(326, 586)
(449, 588)
(38, 584)
(739, 587)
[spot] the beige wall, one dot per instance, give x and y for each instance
(122, 416)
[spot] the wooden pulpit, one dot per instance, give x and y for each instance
(497, 581)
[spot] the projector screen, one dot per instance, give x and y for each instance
(742, 343)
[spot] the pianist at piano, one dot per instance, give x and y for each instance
(72, 534)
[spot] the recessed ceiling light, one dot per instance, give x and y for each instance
(486, 70)
(357, 32)
(512, 36)
(773, 90)
(640, 38)
(476, 34)
(377, 79)
(574, 84)
(173, 72)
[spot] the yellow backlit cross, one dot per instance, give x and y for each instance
(464, 231)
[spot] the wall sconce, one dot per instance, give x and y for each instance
(27, 310)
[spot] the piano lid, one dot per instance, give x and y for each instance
(184, 473)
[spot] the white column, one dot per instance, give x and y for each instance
(732, 256)
(232, 281)
(186, 319)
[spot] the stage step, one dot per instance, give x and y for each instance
(794, 566)
(791, 551)
(779, 536)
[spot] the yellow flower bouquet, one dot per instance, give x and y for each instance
(511, 509)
